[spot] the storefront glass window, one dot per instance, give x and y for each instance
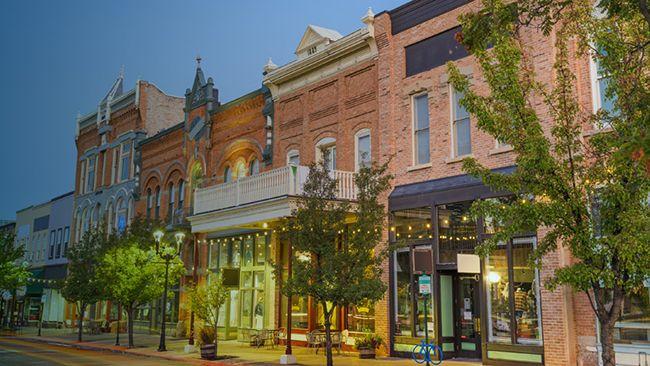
(248, 252)
(634, 323)
(403, 325)
(260, 250)
(321, 317)
(299, 312)
(246, 308)
(362, 318)
(411, 225)
(525, 286)
(498, 290)
(457, 231)
(223, 254)
(235, 254)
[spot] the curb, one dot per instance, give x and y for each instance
(88, 347)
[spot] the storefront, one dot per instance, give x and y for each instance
(490, 311)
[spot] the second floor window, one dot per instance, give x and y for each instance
(125, 161)
(421, 129)
(293, 157)
(326, 151)
(157, 212)
(52, 239)
(149, 202)
(181, 193)
(362, 156)
(59, 242)
(599, 84)
(462, 144)
(66, 239)
(90, 175)
(170, 208)
(254, 167)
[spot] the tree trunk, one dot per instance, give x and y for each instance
(129, 312)
(80, 323)
(607, 342)
(328, 335)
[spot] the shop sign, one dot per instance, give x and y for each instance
(425, 284)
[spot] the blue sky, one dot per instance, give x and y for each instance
(60, 58)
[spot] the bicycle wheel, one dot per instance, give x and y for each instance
(436, 350)
(417, 354)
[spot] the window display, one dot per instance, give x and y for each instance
(361, 318)
(457, 231)
(411, 225)
(498, 291)
(403, 305)
(634, 323)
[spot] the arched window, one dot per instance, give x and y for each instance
(86, 220)
(226, 174)
(157, 212)
(326, 151)
(109, 218)
(181, 194)
(362, 157)
(170, 205)
(293, 157)
(96, 216)
(240, 169)
(120, 215)
(254, 167)
(130, 212)
(149, 203)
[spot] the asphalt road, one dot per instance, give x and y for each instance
(21, 353)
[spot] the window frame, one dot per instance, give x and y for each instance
(415, 130)
(594, 79)
(123, 155)
(357, 155)
(291, 154)
(329, 145)
(454, 121)
(90, 181)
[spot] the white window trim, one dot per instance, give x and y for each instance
(82, 177)
(414, 145)
(452, 119)
(595, 88)
(121, 156)
(361, 133)
(87, 180)
(291, 154)
(326, 142)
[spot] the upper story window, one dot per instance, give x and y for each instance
(181, 193)
(293, 157)
(121, 215)
(157, 212)
(52, 242)
(82, 176)
(599, 83)
(90, 174)
(170, 208)
(125, 161)
(312, 50)
(115, 165)
(460, 125)
(226, 174)
(66, 240)
(240, 169)
(362, 147)
(433, 52)
(254, 167)
(59, 242)
(149, 202)
(421, 150)
(326, 151)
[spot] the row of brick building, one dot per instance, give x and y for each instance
(229, 172)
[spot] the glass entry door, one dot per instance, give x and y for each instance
(460, 318)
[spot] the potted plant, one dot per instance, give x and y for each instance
(368, 345)
(208, 346)
(205, 301)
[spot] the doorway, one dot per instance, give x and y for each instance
(460, 315)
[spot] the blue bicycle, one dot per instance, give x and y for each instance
(425, 352)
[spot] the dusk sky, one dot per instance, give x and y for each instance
(61, 57)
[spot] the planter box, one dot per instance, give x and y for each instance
(367, 353)
(209, 352)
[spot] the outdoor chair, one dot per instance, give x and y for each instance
(336, 341)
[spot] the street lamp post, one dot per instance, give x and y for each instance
(167, 255)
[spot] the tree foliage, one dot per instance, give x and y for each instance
(336, 261)
(131, 271)
(83, 284)
(13, 274)
(590, 192)
(206, 299)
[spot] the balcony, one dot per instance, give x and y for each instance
(282, 182)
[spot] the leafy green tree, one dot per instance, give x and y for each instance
(83, 285)
(335, 243)
(131, 272)
(588, 192)
(13, 274)
(205, 301)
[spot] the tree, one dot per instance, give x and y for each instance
(132, 273)
(12, 273)
(83, 285)
(205, 301)
(588, 192)
(336, 261)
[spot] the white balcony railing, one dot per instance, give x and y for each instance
(286, 181)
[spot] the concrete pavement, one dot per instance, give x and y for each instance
(240, 353)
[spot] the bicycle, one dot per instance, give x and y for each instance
(425, 352)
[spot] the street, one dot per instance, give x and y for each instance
(19, 353)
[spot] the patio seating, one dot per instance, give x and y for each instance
(337, 341)
(315, 339)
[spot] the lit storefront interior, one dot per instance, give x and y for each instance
(492, 313)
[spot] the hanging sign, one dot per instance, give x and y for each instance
(425, 284)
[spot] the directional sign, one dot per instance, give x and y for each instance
(425, 284)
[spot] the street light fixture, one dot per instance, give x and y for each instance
(166, 255)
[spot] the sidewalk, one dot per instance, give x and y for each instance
(241, 353)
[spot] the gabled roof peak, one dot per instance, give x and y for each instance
(314, 36)
(117, 88)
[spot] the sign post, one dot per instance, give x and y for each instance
(424, 282)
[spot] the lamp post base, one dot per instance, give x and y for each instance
(189, 348)
(288, 360)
